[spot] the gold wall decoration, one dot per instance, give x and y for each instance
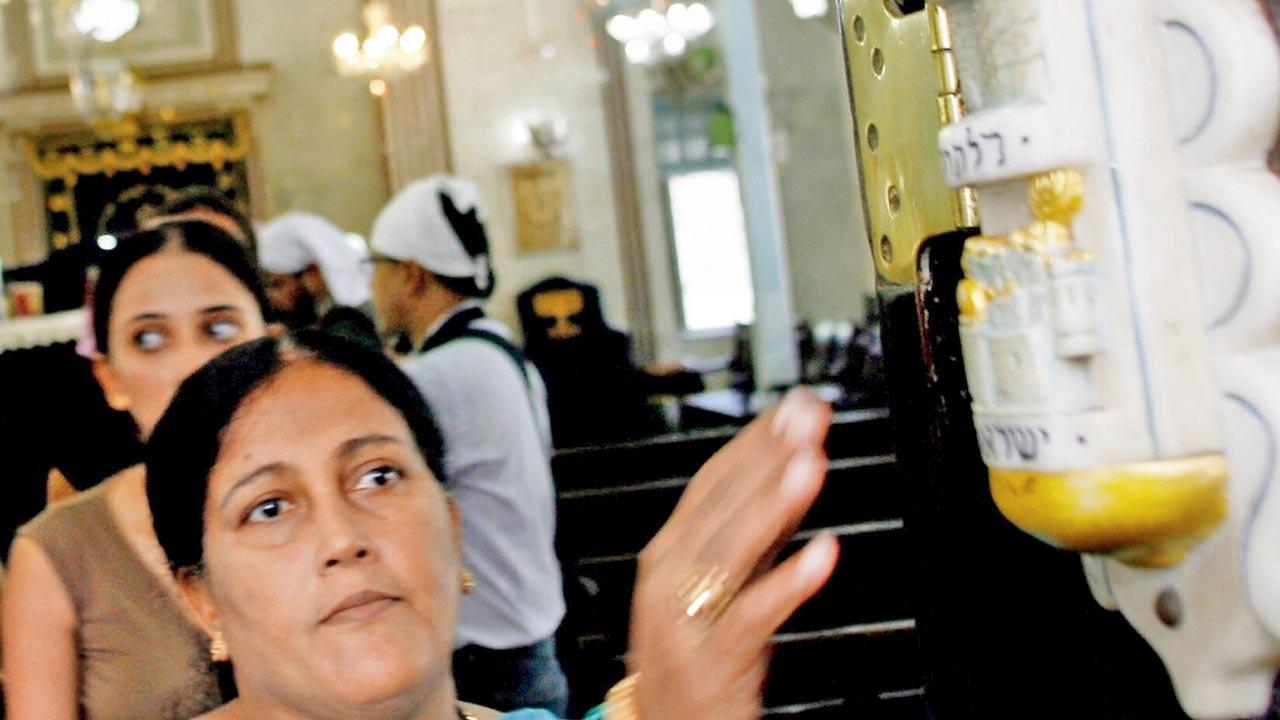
(544, 206)
(86, 171)
(128, 154)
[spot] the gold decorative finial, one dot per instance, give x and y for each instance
(1057, 196)
(974, 300)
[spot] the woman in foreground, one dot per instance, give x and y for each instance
(293, 487)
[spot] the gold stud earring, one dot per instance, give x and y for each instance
(468, 581)
(218, 647)
(119, 402)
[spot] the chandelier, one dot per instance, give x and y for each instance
(653, 34)
(105, 90)
(386, 52)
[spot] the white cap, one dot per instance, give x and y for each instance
(416, 226)
(294, 242)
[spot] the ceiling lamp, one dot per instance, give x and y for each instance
(652, 34)
(385, 52)
(106, 20)
(104, 90)
(806, 9)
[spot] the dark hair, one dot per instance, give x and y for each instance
(185, 445)
(192, 235)
(352, 324)
(207, 197)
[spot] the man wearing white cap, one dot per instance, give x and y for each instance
(313, 267)
(432, 271)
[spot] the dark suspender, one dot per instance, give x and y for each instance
(459, 327)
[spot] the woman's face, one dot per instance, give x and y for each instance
(331, 556)
(173, 312)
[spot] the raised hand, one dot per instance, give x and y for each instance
(707, 599)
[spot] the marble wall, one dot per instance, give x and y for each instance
(494, 83)
(317, 133)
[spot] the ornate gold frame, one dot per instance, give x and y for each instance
(128, 155)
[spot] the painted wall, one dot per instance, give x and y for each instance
(494, 82)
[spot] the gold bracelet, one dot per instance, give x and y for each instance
(620, 701)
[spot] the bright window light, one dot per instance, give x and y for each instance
(710, 236)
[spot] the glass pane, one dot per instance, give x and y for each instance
(711, 249)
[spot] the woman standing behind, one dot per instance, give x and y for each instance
(92, 626)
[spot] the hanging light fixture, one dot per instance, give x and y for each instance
(105, 90)
(386, 51)
(807, 9)
(652, 34)
(104, 21)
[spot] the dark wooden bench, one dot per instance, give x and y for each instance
(851, 652)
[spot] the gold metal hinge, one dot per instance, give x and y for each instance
(905, 87)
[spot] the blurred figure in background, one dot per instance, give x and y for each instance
(317, 276)
(432, 271)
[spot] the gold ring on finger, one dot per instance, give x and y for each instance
(703, 593)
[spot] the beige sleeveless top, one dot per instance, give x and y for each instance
(140, 658)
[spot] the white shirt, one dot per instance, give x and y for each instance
(497, 460)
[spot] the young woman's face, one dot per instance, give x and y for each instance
(331, 556)
(173, 312)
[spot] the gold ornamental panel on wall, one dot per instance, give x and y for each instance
(544, 206)
(138, 145)
(90, 173)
